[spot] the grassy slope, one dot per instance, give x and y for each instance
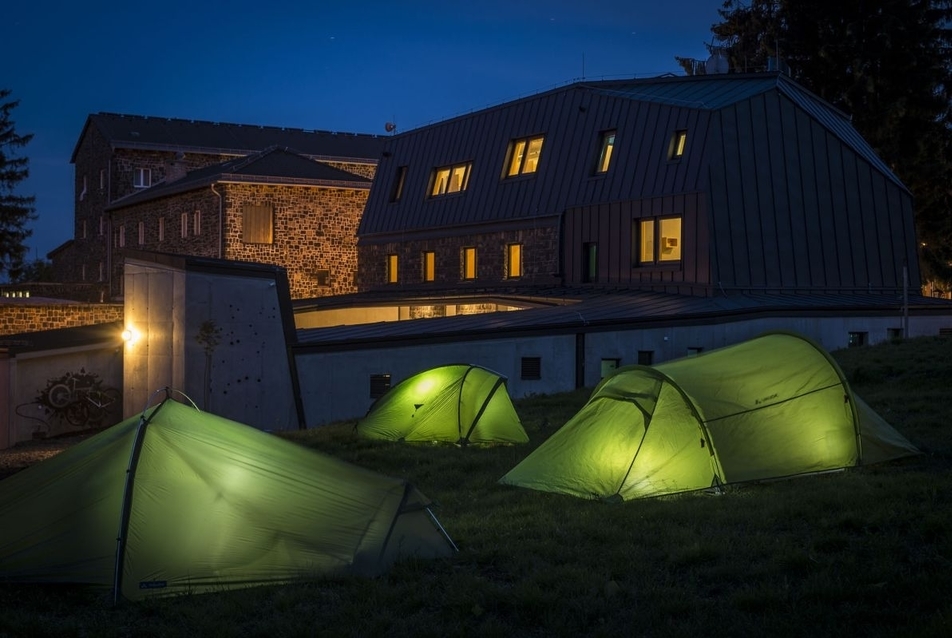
(867, 551)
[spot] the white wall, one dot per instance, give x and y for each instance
(336, 386)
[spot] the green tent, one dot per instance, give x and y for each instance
(453, 403)
(772, 407)
(179, 500)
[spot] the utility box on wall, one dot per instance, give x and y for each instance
(211, 332)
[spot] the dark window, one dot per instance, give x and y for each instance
(645, 357)
(589, 262)
(694, 351)
(142, 177)
(323, 277)
(257, 224)
(397, 191)
(894, 334)
(609, 366)
(379, 385)
(857, 339)
(531, 368)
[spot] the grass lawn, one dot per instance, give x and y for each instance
(863, 552)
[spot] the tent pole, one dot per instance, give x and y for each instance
(482, 408)
(127, 502)
(439, 526)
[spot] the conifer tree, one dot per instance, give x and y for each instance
(887, 64)
(15, 210)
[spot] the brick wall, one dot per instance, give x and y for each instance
(540, 258)
(22, 315)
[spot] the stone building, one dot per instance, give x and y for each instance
(273, 207)
(118, 157)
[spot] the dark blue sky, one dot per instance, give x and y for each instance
(338, 66)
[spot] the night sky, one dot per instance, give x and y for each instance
(336, 66)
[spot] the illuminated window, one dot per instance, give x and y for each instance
(197, 223)
(429, 266)
(142, 177)
(161, 228)
(450, 179)
(184, 225)
(524, 156)
(257, 224)
(657, 240)
(469, 263)
(676, 148)
(605, 155)
(514, 261)
(141, 233)
(589, 262)
(397, 191)
(392, 272)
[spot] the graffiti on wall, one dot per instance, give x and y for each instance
(81, 399)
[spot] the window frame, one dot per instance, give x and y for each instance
(469, 261)
(263, 226)
(393, 268)
(678, 145)
(184, 225)
(197, 223)
(141, 177)
(428, 263)
(589, 262)
(141, 233)
(514, 253)
(398, 183)
(640, 241)
(440, 188)
(161, 229)
(519, 161)
(606, 151)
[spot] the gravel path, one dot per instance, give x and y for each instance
(27, 453)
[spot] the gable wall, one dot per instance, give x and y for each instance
(793, 208)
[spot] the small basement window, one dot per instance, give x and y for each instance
(609, 366)
(531, 368)
(379, 385)
(645, 357)
(857, 339)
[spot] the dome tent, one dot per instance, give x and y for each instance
(182, 501)
(772, 407)
(457, 403)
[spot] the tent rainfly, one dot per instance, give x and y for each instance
(772, 407)
(179, 500)
(454, 403)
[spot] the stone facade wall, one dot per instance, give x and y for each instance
(24, 316)
(540, 259)
(314, 231)
(357, 168)
(315, 234)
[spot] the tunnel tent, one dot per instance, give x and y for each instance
(773, 407)
(182, 501)
(458, 403)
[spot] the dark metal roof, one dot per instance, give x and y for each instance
(270, 166)
(101, 334)
(170, 134)
(609, 311)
